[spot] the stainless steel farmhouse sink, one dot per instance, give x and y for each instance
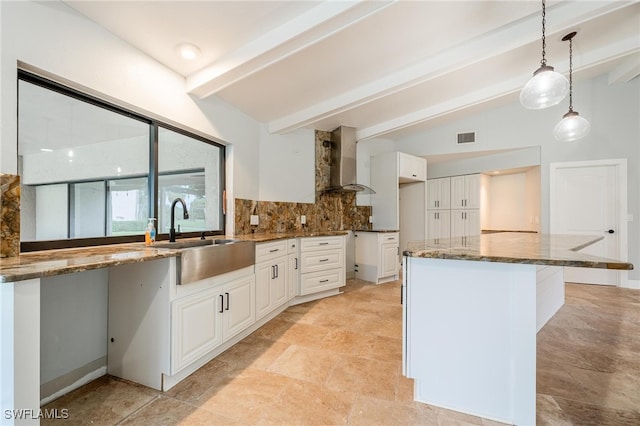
(196, 263)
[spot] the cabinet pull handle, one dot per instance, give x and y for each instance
(273, 272)
(273, 250)
(277, 272)
(221, 304)
(398, 251)
(324, 281)
(228, 301)
(295, 262)
(324, 260)
(323, 244)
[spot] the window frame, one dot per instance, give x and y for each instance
(154, 125)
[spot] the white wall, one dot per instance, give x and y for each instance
(511, 203)
(613, 111)
(52, 37)
(287, 166)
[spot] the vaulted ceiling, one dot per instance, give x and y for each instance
(383, 67)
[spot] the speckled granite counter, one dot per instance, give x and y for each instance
(517, 247)
(48, 263)
(264, 237)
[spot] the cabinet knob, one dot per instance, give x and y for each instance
(611, 231)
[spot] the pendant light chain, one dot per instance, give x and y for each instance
(571, 74)
(543, 62)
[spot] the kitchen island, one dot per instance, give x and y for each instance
(472, 309)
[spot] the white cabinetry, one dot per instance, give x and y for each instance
(458, 214)
(465, 223)
(438, 224)
(411, 168)
(322, 264)
(465, 192)
(439, 194)
(293, 267)
(204, 320)
(377, 256)
(271, 276)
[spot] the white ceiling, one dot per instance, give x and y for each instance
(383, 67)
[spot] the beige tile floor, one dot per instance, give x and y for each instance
(338, 361)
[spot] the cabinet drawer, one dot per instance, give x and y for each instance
(320, 281)
(292, 246)
(318, 243)
(389, 238)
(267, 251)
(321, 260)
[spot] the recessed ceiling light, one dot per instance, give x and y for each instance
(189, 51)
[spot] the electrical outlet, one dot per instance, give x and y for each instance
(254, 219)
(303, 220)
(370, 219)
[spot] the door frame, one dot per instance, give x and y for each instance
(620, 165)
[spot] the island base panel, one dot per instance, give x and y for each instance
(471, 337)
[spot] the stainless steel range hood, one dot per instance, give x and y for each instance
(343, 162)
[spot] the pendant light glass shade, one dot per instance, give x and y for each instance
(546, 88)
(572, 127)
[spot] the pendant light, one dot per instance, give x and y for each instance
(572, 126)
(547, 87)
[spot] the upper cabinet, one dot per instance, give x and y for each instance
(439, 194)
(411, 168)
(465, 192)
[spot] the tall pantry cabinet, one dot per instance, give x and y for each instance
(455, 206)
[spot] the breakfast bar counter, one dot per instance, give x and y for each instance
(472, 308)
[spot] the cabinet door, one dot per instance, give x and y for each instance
(239, 306)
(264, 274)
(196, 327)
(439, 193)
(293, 267)
(472, 188)
(472, 222)
(458, 192)
(438, 224)
(278, 286)
(389, 264)
(458, 223)
(419, 168)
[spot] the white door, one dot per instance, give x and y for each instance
(587, 198)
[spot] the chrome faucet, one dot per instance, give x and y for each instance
(172, 231)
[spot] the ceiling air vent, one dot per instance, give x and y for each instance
(469, 137)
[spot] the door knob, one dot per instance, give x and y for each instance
(611, 231)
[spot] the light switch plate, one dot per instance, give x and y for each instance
(303, 219)
(254, 219)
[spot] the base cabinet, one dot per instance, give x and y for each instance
(293, 268)
(207, 319)
(377, 256)
(322, 264)
(271, 277)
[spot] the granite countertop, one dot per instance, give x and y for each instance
(517, 247)
(265, 237)
(376, 230)
(46, 263)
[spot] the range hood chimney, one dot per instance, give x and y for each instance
(343, 162)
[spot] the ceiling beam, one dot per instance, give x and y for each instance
(305, 30)
(622, 48)
(502, 39)
(626, 71)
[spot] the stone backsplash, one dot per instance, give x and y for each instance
(332, 211)
(10, 215)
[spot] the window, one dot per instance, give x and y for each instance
(92, 172)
